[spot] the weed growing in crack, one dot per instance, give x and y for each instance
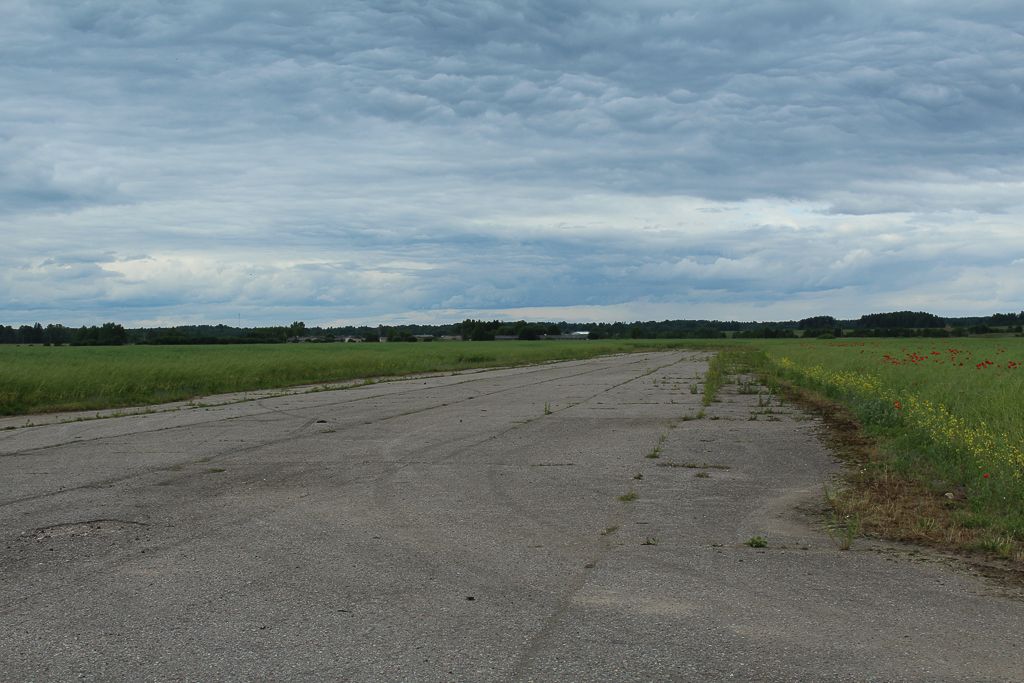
(843, 531)
(747, 386)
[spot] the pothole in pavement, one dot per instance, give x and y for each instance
(89, 533)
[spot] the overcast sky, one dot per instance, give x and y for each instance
(361, 162)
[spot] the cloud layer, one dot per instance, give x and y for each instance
(165, 162)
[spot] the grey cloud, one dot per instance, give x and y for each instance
(316, 141)
(766, 86)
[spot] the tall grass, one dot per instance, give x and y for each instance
(46, 379)
(943, 370)
(728, 361)
(948, 412)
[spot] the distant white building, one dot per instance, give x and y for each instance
(572, 335)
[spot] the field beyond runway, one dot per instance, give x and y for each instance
(468, 527)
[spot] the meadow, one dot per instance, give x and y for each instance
(947, 416)
(37, 379)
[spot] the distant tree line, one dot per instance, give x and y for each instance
(900, 319)
(210, 334)
(107, 334)
(910, 324)
(480, 330)
(895, 324)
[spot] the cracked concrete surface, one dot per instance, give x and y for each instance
(467, 527)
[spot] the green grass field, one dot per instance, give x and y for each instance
(980, 381)
(948, 415)
(36, 379)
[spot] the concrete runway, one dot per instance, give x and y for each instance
(468, 528)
